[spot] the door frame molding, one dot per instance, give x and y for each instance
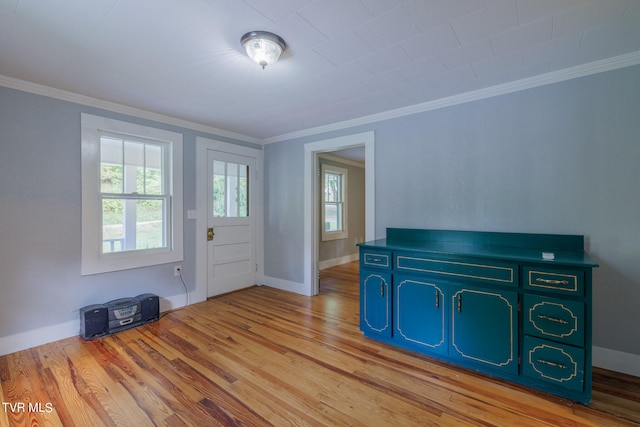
(202, 145)
(311, 233)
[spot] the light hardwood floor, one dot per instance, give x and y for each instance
(263, 357)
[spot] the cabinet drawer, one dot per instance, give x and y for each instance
(553, 363)
(552, 280)
(554, 319)
(498, 273)
(376, 259)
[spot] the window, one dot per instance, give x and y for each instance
(131, 195)
(334, 208)
(230, 190)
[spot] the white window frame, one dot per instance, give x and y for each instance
(340, 234)
(93, 261)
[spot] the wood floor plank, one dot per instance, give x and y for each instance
(69, 394)
(262, 357)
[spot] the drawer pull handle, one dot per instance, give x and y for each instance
(553, 319)
(437, 299)
(459, 303)
(382, 289)
(552, 282)
(554, 364)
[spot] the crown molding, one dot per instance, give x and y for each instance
(596, 67)
(88, 101)
(583, 70)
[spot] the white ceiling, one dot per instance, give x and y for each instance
(346, 59)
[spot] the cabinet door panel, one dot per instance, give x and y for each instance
(375, 303)
(484, 327)
(420, 314)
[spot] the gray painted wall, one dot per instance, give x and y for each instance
(284, 211)
(562, 158)
(40, 217)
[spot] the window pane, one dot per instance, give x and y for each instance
(153, 183)
(219, 189)
(243, 191)
(112, 225)
(232, 190)
(332, 187)
(133, 167)
(111, 171)
(111, 179)
(332, 217)
(133, 224)
(149, 224)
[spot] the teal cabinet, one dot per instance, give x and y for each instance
(484, 327)
(421, 315)
(486, 301)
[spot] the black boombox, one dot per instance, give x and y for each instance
(98, 320)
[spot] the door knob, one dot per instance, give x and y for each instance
(210, 234)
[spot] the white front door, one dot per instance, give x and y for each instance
(231, 252)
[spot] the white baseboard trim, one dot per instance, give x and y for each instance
(338, 261)
(176, 301)
(618, 361)
(286, 285)
(36, 337)
(24, 340)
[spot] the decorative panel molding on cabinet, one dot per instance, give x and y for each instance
(376, 303)
(486, 301)
(421, 314)
(554, 319)
(554, 363)
(484, 327)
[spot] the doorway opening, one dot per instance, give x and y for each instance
(341, 205)
(312, 215)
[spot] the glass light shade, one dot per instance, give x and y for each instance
(262, 47)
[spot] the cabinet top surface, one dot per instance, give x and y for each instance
(567, 250)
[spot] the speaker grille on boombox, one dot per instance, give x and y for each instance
(94, 321)
(149, 307)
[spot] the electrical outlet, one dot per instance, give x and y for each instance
(177, 270)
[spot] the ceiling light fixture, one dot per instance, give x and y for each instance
(263, 47)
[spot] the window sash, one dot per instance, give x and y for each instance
(134, 232)
(329, 213)
(333, 187)
(334, 195)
